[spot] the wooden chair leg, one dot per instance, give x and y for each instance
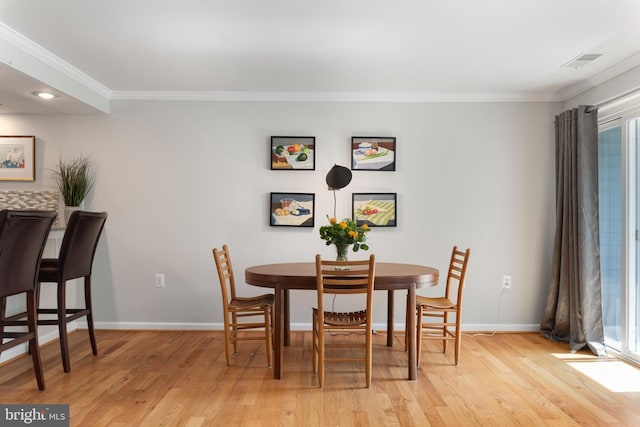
(234, 331)
(406, 331)
(368, 357)
(320, 355)
(419, 335)
(314, 342)
(267, 333)
(445, 331)
(227, 338)
(458, 338)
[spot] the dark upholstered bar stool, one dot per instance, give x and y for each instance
(23, 235)
(74, 261)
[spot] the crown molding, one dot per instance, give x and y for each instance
(28, 57)
(43, 55)
(389, 97)
(33, 60)
(608, 74)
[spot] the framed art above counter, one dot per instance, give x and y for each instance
(17, 158)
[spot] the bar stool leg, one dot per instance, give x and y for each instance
(89, 307)
(62, 326)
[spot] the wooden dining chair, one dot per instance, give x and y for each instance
(351, 277)
(440, 308)
(23, 236)
(75, 261)
(236, 309)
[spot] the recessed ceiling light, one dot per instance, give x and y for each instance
(44, 95)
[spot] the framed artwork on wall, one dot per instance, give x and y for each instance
(17, 158)
(375, 209)
(293, 152)
(373, 153)
(292, 209)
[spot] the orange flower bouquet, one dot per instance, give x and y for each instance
(344, 234)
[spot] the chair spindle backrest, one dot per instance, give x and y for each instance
(225, 274)
(457, 272)
(359, 278)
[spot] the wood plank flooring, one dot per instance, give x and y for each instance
(180, 378)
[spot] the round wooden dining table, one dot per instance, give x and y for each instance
(389, 276)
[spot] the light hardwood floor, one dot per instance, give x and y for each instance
(180, 378)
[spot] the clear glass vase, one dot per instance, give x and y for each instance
(341, 255)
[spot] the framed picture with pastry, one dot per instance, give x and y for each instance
(292, 209)
(293, 153)
(373, 153)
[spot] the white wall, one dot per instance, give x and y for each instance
(179, 178)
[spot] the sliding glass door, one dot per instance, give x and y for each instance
(633, 232)
(619, 195)
(611, 220)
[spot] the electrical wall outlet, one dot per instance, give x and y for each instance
(506, 282)
(159, 280)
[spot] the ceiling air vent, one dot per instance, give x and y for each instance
(582, 60)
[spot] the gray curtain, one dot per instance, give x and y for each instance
(573, 312)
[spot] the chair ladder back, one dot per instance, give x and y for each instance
(457, 271)
(235, 310)
(350, 277)
(463, 276)
(443, 328)
(357, 279)
(225, 274)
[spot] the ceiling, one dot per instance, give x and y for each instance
(91, 52)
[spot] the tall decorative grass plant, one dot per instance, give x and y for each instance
(75, 179)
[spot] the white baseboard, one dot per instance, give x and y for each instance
(502, 327)
(155, 326)
(165, 326)
(398, 327)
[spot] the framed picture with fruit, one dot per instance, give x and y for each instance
(375, 209)
(373, 153)
(293, 152)
(292, 209)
